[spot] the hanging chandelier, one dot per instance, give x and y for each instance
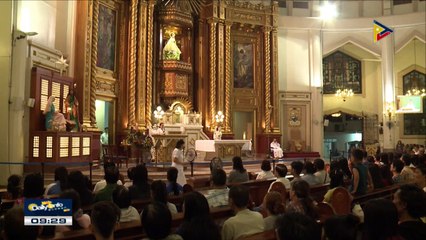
(415, 91)
(344, 93)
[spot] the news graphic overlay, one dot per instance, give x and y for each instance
(380, 31)
(48, 212)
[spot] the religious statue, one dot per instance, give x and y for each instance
(55, 121)
(171, 50)
(276, 149)
(217, 135)
(71, 106)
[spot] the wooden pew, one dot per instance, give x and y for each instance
(266, 235)
(318, 191)
(134, 230)
(199, 181)
(386, 193)
(257, 188)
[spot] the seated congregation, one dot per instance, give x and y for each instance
(367, 197)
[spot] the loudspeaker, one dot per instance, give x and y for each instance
(31, 102)
(326, 122)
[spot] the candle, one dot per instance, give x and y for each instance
(244, 135)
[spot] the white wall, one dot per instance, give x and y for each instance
(5, 61)
(293, 60)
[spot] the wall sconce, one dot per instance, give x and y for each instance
(158, 113)
(219, 117)
(389, 113)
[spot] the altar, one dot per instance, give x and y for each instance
(225, 149)
(164, 146)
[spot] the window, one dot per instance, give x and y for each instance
(399, 2)
(36, 146)
(341, 71)
(63, 146)
(86, 146)
(414, 123)
(49, 147)
(282, 3)
(301, 4)
(75, 146)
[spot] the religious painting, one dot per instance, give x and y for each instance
(106, 37)
(243, 65)
(295, 116)
(414, 83)
(341, 71)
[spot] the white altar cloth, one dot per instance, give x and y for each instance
(209, 145)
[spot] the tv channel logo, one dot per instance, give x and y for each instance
(47, 212)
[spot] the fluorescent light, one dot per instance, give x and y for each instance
(328, 11)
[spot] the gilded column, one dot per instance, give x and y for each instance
(93, 67)
(132, 62)
(220, 65)
(141, 64)
(274, 81)
(212, 70)
(149, 62)
(228, 77)
(267, 74)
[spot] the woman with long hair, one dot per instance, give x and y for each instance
(300, 199)
(238, 173)
(159, 194)
(197, 222)
(274, 205)
(336, 180)
(140, 188)
(77, 181)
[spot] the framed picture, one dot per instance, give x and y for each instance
(243, 65)
(107, 28)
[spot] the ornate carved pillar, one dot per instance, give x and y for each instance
(132, 62)
(220, 66)
(141, 66)
(274, 81)
(212, 69)
(149, 62)
(228, 55)
(93, 67)
(267, 75)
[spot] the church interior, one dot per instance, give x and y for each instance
(84, 81)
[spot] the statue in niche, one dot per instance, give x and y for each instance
(171, 50)
(55, 121)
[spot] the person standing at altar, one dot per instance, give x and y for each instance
(276, 149)
(178, 161)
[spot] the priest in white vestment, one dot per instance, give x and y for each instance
(276, 149)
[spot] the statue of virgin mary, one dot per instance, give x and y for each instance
(171, 50)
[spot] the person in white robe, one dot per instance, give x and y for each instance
(178, 161)
(276, 149)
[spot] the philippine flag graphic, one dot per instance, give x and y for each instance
(380, 31)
